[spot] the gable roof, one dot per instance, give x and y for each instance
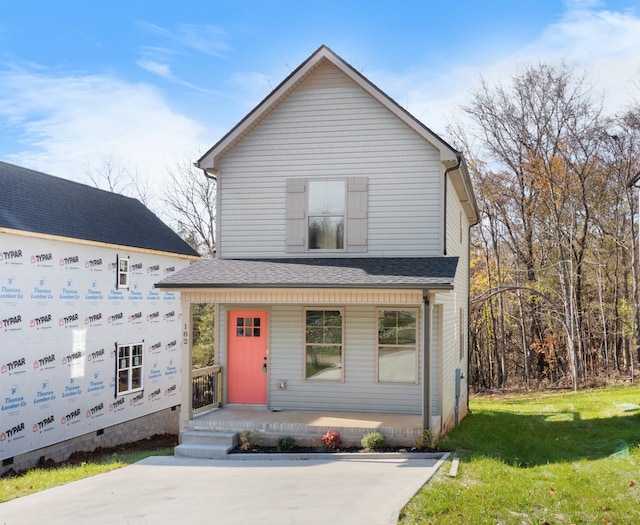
(433, 273)
(451, 157)
(31, 201)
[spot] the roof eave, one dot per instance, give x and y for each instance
(210, 160)
(386, 286)
(469, 203)
(634, 180)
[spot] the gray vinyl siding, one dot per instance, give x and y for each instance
(359, 390)
(328, 133)
(451, 304)
(436, 360)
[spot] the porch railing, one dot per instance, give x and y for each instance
(206, 387)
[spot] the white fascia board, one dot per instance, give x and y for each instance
(210, 160)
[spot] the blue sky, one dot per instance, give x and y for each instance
(155, 83)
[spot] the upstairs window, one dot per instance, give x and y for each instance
(129, 368)
(123, 273)
(326, 215)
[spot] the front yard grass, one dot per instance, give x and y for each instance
(37, 479)
(547, 458)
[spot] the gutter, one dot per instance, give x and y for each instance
(206, 173)
(384, 286)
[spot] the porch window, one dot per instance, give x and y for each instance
(326, 214)
(129, 368)
(323, 344)
(397, 349)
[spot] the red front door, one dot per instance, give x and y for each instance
(247, 357)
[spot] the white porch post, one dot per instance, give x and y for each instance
(426, 364)
(186, 410)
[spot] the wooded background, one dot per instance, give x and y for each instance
(554, 286)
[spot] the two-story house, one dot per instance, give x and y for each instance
(341, 279)
(89, 348)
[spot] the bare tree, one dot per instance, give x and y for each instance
(190, 197)
(112, 174)
(540, 137)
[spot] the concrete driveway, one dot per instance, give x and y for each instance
(167, 489)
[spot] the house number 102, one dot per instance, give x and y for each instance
(185, 335)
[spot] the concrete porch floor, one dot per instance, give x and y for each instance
(307, 427)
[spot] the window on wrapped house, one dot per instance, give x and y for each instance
(123, 273)
(397, 349)
(129, 368)
(324, 341)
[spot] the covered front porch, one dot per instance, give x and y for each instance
(307, 427)
(209, 429)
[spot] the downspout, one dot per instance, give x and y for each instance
(217, 238)
(446, 178)
(426, 365)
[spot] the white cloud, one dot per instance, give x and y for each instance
(601, 43)
(66, 122)
(248, 89)
(162, 70)
(207, 39)
(182, 43)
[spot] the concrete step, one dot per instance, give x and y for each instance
(209, 437)
(199, 451)
(206, 444)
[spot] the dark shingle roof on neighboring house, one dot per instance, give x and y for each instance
(32, 201)
(369, 272)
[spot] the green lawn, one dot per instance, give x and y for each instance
(561, 458)
(38, 479)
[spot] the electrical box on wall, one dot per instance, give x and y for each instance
(282, 384)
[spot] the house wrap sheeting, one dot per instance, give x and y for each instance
(62, 313)
(60, 319)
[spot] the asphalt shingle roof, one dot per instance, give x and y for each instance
(36, 202)
(369, 272)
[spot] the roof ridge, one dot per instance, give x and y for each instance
(69, 181)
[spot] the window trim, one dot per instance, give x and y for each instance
(355, 221)
(126, 273)
(130, 368)
(416, 346)
(340, 309)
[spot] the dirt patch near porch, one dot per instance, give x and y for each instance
(151, 444)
